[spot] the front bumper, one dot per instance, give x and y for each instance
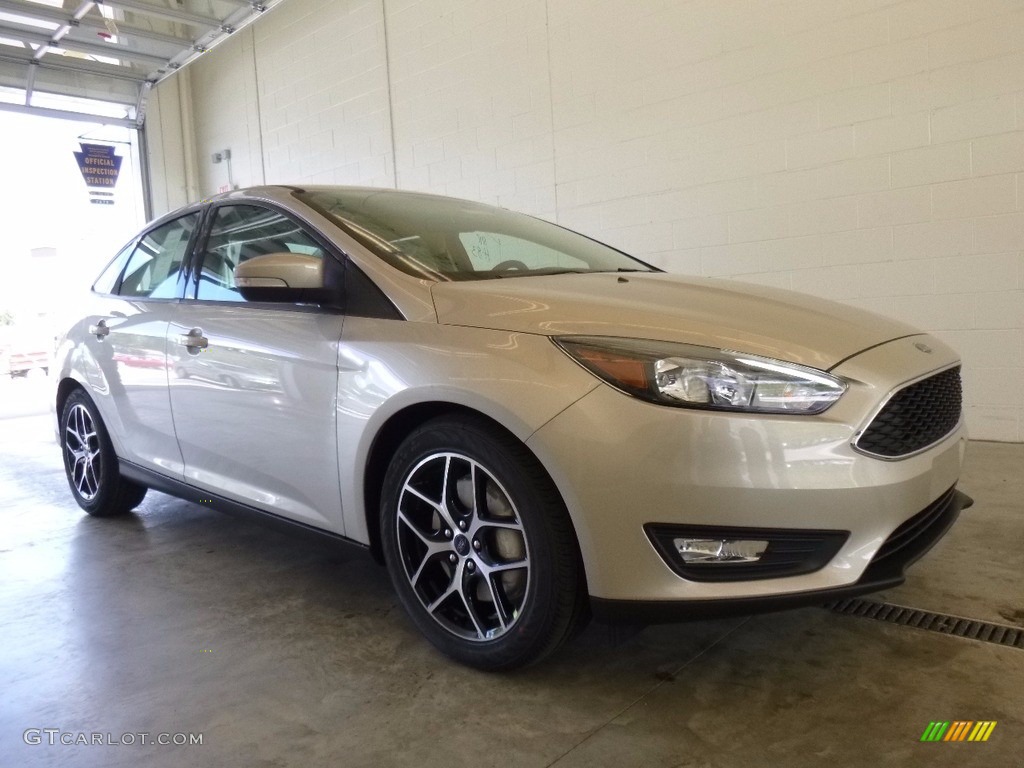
(906, 545)
(622, 464)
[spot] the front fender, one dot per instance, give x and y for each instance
(520, 381)
(73, 360)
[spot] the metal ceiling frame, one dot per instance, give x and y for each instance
(73, 65)
(146, 55)
(57, 41)
(59, 16)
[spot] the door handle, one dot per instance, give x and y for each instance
(194, 340)
(99, 330)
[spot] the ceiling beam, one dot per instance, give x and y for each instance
(35, 11)
(94, 49)
(128, 30)
(68, 64)
(58, 16)
(239, 18)
(58, 34)
(163, 12)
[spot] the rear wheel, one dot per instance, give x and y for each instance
(90, 462)
(479, 545)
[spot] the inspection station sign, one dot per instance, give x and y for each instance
(99, 165)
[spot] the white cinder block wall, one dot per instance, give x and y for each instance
(869, 151)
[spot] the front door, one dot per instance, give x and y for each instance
(253, 386)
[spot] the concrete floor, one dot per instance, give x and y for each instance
(178, 619)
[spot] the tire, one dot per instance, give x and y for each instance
(90, 463)
(479, 545)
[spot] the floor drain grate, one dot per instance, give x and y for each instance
(972, 629)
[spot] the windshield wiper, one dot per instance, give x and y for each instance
(545, 271)
(541, 272)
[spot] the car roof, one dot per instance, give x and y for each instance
(284, 193)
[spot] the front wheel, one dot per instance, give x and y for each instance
(479, 545)
(90, 462)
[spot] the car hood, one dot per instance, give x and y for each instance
(718, 313)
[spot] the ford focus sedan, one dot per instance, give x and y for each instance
(529, 428)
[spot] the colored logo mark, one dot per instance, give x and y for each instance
(959, 730)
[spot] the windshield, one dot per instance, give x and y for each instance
(445, 239)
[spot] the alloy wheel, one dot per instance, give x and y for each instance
(82, 445)
(463, 546)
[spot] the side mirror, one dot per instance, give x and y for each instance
(283, 277)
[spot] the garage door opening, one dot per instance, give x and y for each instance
(59, 230)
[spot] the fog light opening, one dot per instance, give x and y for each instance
(711, 551)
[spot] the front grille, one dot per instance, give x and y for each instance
(915, 417)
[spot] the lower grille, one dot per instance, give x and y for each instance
(915, 417)
(917, 535)
(916, 527)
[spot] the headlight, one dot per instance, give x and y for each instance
(703, 377)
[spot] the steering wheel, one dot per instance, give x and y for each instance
(509, 264)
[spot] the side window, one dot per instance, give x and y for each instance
(107, 280)
(152, 270)
(488, 249)
(238, 233)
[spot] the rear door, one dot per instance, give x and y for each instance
(253, 386)
(128, 342)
